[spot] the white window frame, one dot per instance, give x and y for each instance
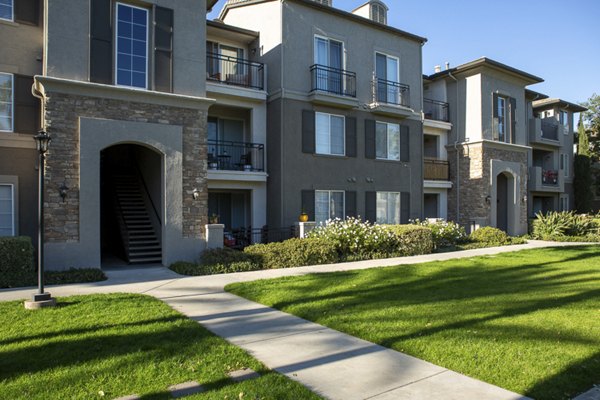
(329, 193)
(12, 102)
(116, 22)
(13, 207)
(12, 12)
(329, 134)
(399, 210)
(387, 56)
(387, 124)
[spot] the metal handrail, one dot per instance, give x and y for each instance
(235, 71)
(391, 92)
(236, 156)
(436, 110)
(333, 80)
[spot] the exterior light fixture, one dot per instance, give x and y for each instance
(62, 191)
(195, 193)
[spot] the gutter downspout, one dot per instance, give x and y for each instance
(456, 150)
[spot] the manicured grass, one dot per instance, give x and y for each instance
(106, 346)
(527, 321)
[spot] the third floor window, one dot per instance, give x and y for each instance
(132, 46)
(387, 72)
(504, 118)
(6, 9)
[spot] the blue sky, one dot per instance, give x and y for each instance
(556, 40)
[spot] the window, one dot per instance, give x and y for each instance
(564, 121)
(329, 57)
(387, 70)
(502, 119)
(378, 13)
(388, 208)
(132, 46)
(330, 134)
(329, 204)
(564, 203)
(6, 102)
(6, 10)
(387, 141)
(564, 164)
(7, 210)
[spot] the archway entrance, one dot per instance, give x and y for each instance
(131, 204)
(502, 203)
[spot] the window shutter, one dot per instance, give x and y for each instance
(27, 11)
(308, 203)
(404, 207)
(101, 47)
(404, 143)
(350, 200)
(351, 136)
(370, 138)
(513, 120)
(163, 49)
(371, 206)
(27, 107)
(308, 131)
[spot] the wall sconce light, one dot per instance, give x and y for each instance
(351, 180)
(524, 199)
(195, 193)
(62, 191)
(488, 199)
(370, 180)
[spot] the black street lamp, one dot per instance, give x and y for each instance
(41, 298)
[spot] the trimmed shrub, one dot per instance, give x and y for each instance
(411, 240)
(16, 262)
(444, 233)
(490, 236)
(218, 261)
(74, 275)
(294, 253)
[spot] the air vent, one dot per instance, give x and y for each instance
(324, 2)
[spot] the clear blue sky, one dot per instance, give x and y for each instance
(558, 41)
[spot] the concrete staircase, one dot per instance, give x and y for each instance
(140, 241)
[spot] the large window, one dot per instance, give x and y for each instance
(387, 141)
(564, 121)
(388, 207)
(6, 102)
(387, 69)
(330, 134)
(6, 9)
(329, 54)
(329, 204)
(7, 210)
(502, 118)
(132, 46)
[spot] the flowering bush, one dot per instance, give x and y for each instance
(445, 233)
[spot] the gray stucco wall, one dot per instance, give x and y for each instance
(67, 53)
(295, 171)
(21, 50)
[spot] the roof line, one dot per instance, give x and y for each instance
(489, 62)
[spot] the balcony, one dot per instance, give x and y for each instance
(391, 99)
(436, 110)
(333, 87)
(546, 180)
(235, 156)
(235, 71)
(435, 170)
(545, 131)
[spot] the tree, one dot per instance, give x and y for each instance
(591, 119)
(583, 173)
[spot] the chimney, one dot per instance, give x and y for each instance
(437, 69)
(447, 65)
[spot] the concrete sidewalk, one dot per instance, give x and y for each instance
(331, 363)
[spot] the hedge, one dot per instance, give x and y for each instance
(294, 253)
(16, 262)
(412, 240)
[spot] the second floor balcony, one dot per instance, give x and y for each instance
(545, 131)
(436, 110)
(226, 155)
(235, 71)
(546, 180)
(435, 170)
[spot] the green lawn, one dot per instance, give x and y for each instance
(106, 346)
(527, 321)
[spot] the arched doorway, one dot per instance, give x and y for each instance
(131, 204)
(502, 202)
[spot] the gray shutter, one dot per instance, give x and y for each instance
(27, 107)
(308, 203)
(404, 143)
(370, 138)
(513, 120)
(350, 200)
(371, 206)
(27, 12)
(101, 47)
(308, 131)
(351, 136)
(163, 49)
(404, 207)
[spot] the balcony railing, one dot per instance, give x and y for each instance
(244, 237)
(333, 80)
(550, 177)
(236, 156)
(390, 92)
(550, 129)
(436, 170)
(436, 110)
(235, 71)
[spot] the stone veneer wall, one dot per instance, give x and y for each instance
(62, 121)
(475, 182)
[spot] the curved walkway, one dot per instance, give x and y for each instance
(331, 363)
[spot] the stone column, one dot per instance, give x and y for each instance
(214, 236)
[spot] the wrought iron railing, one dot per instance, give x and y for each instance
(235, 71)
(549, 177)
(391, 92)
(436, 170)
(244, 237)
(333, 80)
(236, 156)
(436, 110)
(550, 129)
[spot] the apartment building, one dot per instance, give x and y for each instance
(509, 149)
(344, 128)
(123, 88)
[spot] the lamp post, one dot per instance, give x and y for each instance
(41, 298)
